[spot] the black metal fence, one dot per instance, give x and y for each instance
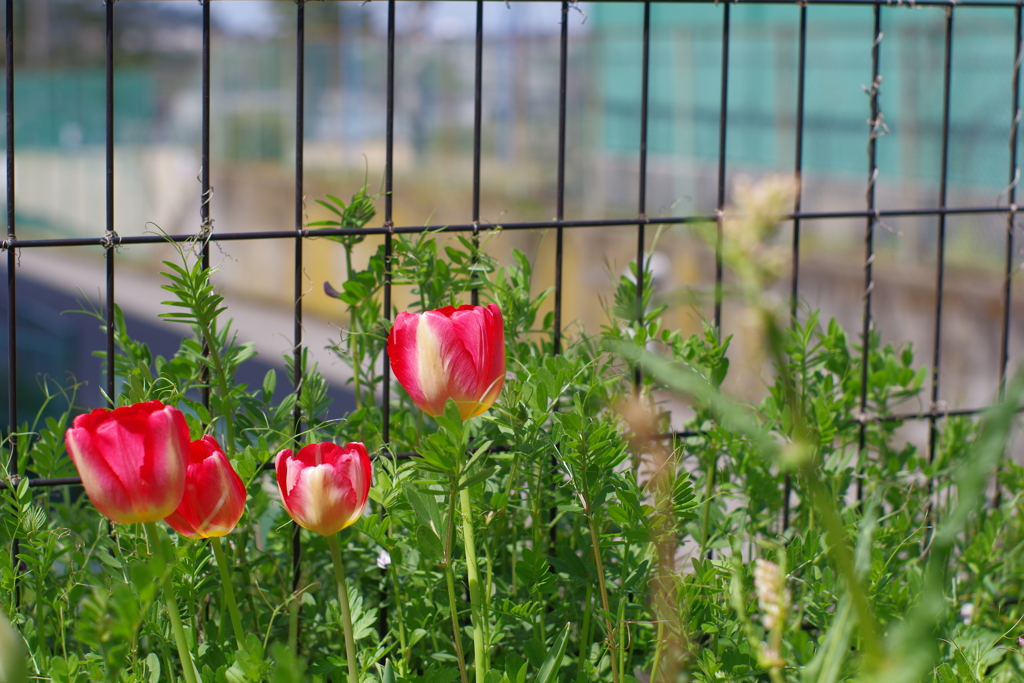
(871, 215)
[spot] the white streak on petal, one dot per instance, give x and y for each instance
(433, 379)
(322, 498)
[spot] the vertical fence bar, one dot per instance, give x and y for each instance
(798, 168)
(798, 162)
(204, 171)
(560, 189)
(297, 359)
(1004, 344)
(642, 190)
(1015, 114)
(12, 264)
(940, 256)
(867, 322)
(110, 237)
(389, 148)
(477, 116)
(723, 113)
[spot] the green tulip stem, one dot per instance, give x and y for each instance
(188, 668)
(346, 613)
(479, 649)
(229, 592)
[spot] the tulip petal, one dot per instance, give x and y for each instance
(132, 460)
(214, 497)
(106, 490)
(450, 353)
(324, 487)
(402, 353)
(436, 354)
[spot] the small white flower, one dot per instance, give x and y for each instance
(967, 612)
(384, 559)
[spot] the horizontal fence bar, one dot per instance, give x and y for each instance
(910, 4)
(469, 227)
(409, 455)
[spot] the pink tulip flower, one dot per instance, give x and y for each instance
(324, 486)
(214, 497)
(451, 353)
(132, 460)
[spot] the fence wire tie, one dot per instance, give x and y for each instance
(207, 194)
(871, 185)
(110, 240)
(573, 4)
(872, 90)
(1009, 188)
(205, 232)
(7, 244)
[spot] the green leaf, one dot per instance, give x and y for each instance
(477, 478)
(426, 509)
(535, 652)
(429, 543)
(549, 669)
(153, 664)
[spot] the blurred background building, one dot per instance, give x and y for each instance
(59, 99)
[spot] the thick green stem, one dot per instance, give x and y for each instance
(346, 614)
(475, 602)
(229, 592)
(188, 668)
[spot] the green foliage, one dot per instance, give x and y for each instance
(605, 552)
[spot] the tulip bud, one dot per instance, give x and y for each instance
(131, 459)
(214, 494)
(324, 487)
(451, 353)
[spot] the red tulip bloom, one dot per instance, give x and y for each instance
(132, 460)
(214, 494)
(324, 486)
(451, 353)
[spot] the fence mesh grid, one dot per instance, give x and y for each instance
(871, 214)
